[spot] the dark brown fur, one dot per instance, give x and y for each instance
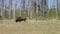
(19, 19)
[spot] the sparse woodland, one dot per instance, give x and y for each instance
(33, 9)
(42, 16)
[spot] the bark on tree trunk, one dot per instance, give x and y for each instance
(2, 9)
(56, 9)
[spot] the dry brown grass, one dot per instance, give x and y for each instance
(30, 27)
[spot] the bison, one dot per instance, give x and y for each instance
(19, 19)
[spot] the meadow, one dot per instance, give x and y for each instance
(30, 27)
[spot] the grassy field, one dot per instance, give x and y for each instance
(30, 27)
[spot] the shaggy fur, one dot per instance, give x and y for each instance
(19, 19)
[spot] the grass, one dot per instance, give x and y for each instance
(47, 15)
(30, 27)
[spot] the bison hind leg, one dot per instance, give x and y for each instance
(16, 20)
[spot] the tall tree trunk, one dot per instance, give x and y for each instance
(2, 10)
(10, 9)
(37, 6)
(30, 9)
(14, 9)
(42, 9)
(34, 5)
(56, 9)
(20, 7)
(5, 11)
(23, 7)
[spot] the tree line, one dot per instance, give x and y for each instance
(33, 9)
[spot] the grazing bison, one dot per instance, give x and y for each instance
(19, 19)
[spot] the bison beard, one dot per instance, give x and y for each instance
(19, 19)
